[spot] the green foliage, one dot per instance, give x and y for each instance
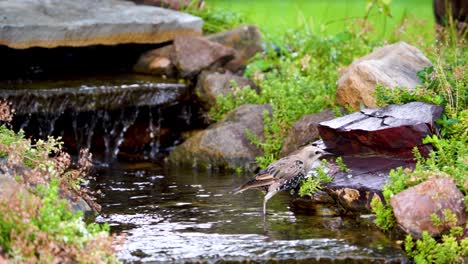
(296, 78)
(33, 228)
(37, 226)
(383, 6)
(450, 158)
(429, 250)
(341, 164)
(384, 219)
(315, 182)
(271, 143)
(215, 19)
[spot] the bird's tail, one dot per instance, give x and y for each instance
(252, 184)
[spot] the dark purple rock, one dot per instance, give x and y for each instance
(352, 191)
(355, 189)
(392, 130)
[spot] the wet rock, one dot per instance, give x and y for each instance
(32, 23)
(352, 191)
(157, 62)
(210, 85)
(245, 40)
(84, 95)
(304, 131)
(392, 130)
(414, 206)
(224, 144)
(193, 54)
(391, 66)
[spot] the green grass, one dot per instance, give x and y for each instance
(324, 17)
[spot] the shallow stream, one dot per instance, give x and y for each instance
(174, 215)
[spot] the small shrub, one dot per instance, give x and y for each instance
(315, 181)
(42, 229)
(296, 78)
(429, 250)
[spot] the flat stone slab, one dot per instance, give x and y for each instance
(392, 130)
(52, 23)
(91, 95)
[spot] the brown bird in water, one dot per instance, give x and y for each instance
(284, 174)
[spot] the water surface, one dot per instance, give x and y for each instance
(175, 215)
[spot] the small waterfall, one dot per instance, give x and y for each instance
(132, 116)
(127, 119)
(114, 130)
(155, 133)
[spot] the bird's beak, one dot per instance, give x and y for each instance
(327, 154)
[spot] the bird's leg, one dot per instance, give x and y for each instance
(265, 200)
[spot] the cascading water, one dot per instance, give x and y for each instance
(102, 114)
(154, 132)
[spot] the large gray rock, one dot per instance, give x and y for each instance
(53, 23)
(391, 66)
(224, 144)
(245, 40)
(210, 85)
(304, 131)
(414, 206)
(392, 130)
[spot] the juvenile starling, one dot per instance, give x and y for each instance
(284, 174)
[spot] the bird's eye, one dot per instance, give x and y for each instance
(317, 152)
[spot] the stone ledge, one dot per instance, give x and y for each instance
(38, 23)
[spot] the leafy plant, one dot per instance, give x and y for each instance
(215, 19)
(36, 224)
(316, 180)
(341, 164)
(296, 78)
(42, 229)
(429, 250)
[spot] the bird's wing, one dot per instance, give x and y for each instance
(285, 168)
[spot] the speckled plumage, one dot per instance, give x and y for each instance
(284, 174)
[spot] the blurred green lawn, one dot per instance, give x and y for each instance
(325, 17)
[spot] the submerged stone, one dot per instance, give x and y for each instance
(53, 23)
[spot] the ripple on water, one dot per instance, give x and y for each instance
(187, 216)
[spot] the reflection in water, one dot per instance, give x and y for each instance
(176, 215)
